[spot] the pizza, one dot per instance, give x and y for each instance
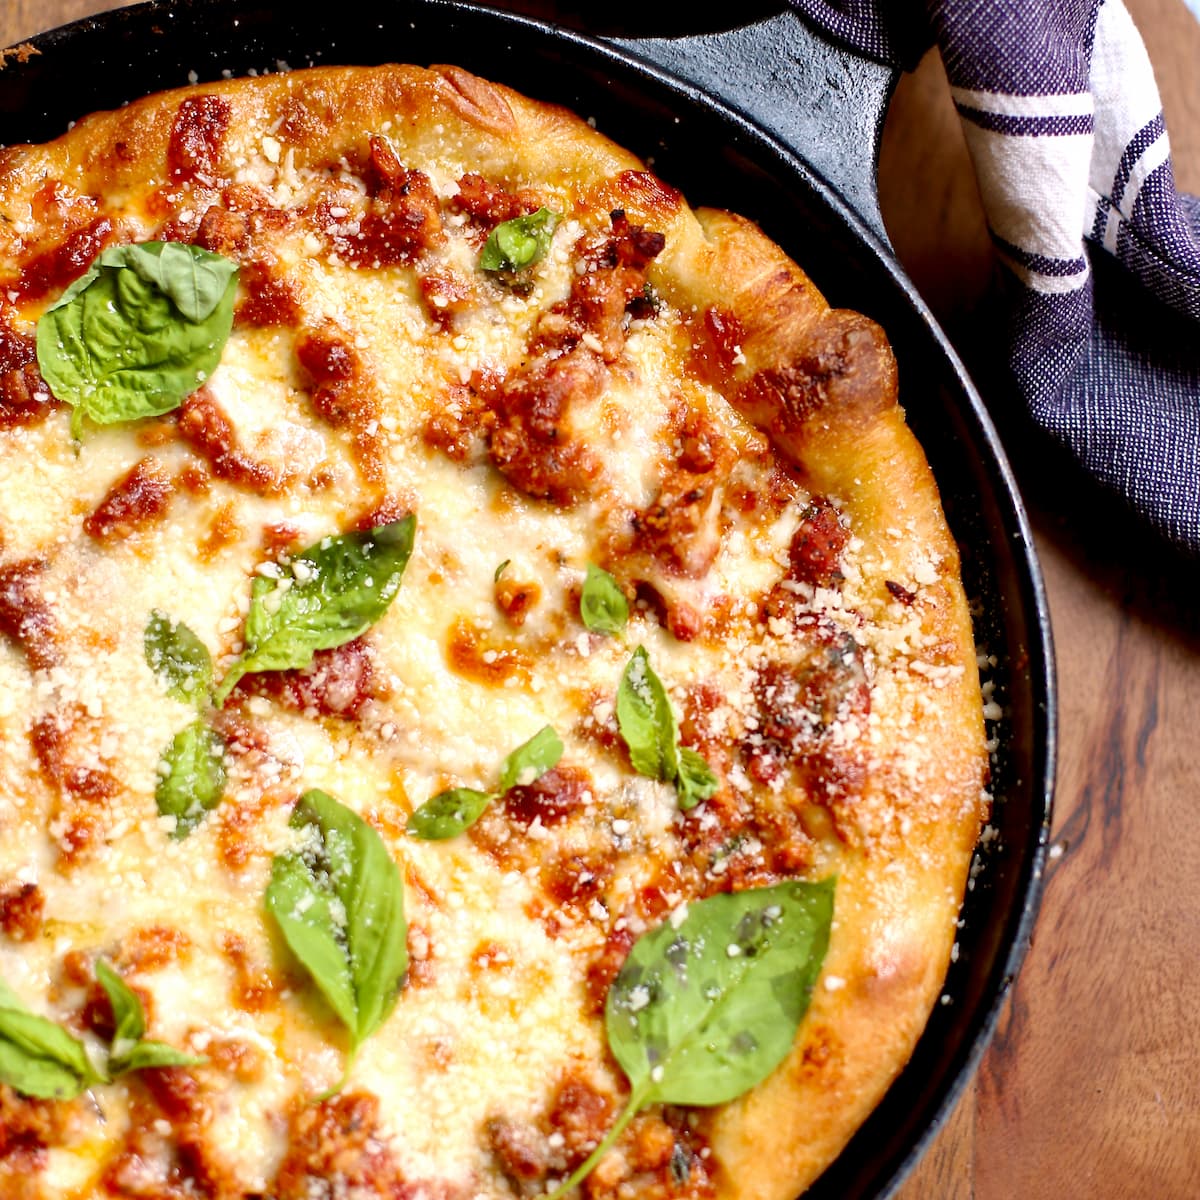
(488, 705)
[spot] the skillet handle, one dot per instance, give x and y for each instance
(825, 104)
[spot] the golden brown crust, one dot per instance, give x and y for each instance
(325, 114)
(820, 383)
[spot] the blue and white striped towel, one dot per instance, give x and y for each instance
(1065, 127)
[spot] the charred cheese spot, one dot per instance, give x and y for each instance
(343, 392)
(489, 203)
(471, 653)
(223, 531)
(152, 948)
(24, 397)
(136, 500)
(207, 429)
(339, 1139)
(402, 218)
(28, 1130)
(197, 137)
(338, 683)
(515, 598)
(21, 909)
(255, 988)
(62, 264)
(25, 616)
(272, 297)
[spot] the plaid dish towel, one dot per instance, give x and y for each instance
(1064, 124)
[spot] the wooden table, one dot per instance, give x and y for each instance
(1091, 1088)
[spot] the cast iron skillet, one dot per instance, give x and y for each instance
(771, 121)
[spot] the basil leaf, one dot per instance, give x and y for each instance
(312, 922)
(451, 812)
(702, 1012)
(448, 814)
(146, 1054)
(500, 570)
(129, 1052)
(705, 1011)
(178, 657)
(339, 903)
(647, 724)
(194, 279)
(519, 243)
(33, 1075)
(531, 760)
(646, 721)
(329, 594)
(38, 1057)
(194, 778)
(140, 331)
(696, 780)
(129, 1018)
(602, 605)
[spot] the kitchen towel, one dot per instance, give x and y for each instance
(1064, 124)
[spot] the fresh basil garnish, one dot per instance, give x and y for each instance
(339, 903)
(38, 1057)
(645, 719)
(647, 725)
(178, 657)
(602, 605)
(696, 780)
(532, 759)
(139, 332)
(448, 814)
(192, 777)
(452, 812)
(129, 1018)
(715, 1002)
(328, 595)
(703, 1011)
(519, 243)
(130, 1050)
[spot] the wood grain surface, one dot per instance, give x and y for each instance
(1091, 1088)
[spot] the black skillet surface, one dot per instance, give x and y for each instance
(775, 123)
